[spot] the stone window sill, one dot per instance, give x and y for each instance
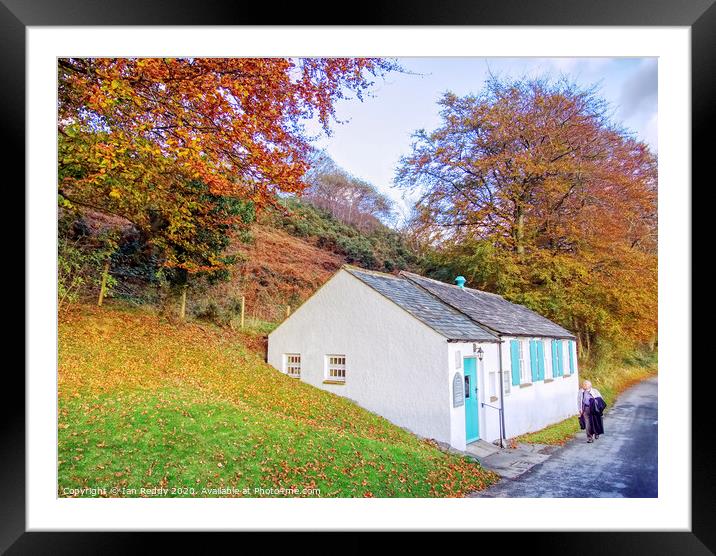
(546, 380)
(493, 398)
(334, 382)
(526, 385)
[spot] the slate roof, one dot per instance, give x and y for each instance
(424, 306)
(491, 310)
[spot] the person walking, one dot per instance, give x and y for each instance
(591, 406)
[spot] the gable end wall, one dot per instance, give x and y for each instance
(396, 365)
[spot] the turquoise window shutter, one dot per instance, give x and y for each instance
(555, 365)
(571, 357)
(515, 360)
(540, 359)
(560, 357)
(534, 363)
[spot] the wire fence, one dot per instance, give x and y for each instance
(255, 310)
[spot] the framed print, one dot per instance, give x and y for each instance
(415, 273)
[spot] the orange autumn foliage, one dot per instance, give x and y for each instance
(172, 144)
(530, 189)
(234, 123)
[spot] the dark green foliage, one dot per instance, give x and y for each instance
(380, 248)
(357, 249)
(81, 255)
(203, 254)
(152, 265)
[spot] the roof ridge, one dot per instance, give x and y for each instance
(351, 267)
(448, 284)
(417, 279)
(458, 309)
(423, 283)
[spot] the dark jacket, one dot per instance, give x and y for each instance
(596, 409)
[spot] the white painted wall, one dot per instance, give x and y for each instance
(395, 364)
(488, 417)
(403, 370)
(529, 408)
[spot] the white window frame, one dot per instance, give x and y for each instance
(507, 381)
(566, 347)
(335, 367)
(525, 373)
(291, 362)
(492, 378)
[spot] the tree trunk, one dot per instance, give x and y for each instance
(588, 344)
(579, 342)
(182, 307)
(520, 230)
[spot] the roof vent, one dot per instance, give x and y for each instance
(460, 282)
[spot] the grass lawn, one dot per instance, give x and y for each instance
(610, 380)
(145, 403)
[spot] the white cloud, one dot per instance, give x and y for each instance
(651, 129)
(639, 91)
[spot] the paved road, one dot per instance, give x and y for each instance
(621, 464)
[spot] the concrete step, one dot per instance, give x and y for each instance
(509, 463)
(481, 449)
(513, 462)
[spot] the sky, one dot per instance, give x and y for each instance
(375, 133)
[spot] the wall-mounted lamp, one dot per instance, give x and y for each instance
(480, 353)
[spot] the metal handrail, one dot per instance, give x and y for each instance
(502, 435)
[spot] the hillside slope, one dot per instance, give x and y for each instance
(292, 253)
(277, 269)
(144, 403)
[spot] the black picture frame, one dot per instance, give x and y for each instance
(699, 15)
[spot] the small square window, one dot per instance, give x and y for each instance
(293, 365)
(336, 368)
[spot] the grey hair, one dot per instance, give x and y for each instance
(587, 383)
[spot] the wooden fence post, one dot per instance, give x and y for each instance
(103, 285)
(243, 310)
(182, 308)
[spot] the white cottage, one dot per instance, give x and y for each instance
(445, 362)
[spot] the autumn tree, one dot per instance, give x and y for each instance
(535, 192)
(348, 198)
(166, 142)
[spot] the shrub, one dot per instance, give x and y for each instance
(207, 310)
(79, 270)
(380, 248)
(358, 250)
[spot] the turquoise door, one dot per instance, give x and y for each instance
(472, 424)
